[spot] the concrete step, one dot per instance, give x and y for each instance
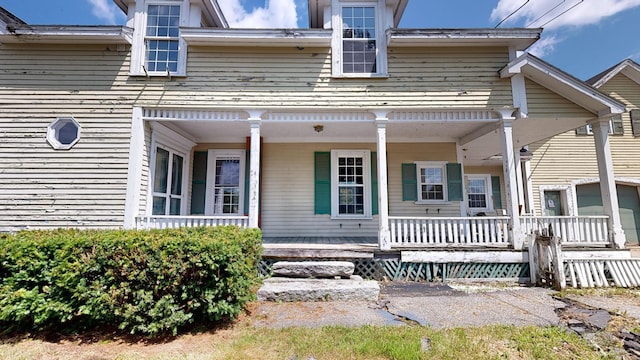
(313, 269)
(287, 289)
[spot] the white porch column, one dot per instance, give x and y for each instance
(518, 165)
(384, 236)
(134, 175)
(531, 208)
(509, 167)
(254, 170)
(608, 182)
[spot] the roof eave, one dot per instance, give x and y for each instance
(519, 39)
(627, 67)
(46, 34)
(563, 83)
(256, 37)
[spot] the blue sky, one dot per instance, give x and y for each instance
(584, 37)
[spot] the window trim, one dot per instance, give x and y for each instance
(139, 47)
(432, 164)
(488, 192)
(587, 130)
(162, 136)
(336, 41)
(366, 169)
(52, 133)
(212, 155)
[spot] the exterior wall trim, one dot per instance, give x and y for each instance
(312, 115)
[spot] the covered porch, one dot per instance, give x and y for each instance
(408, 172)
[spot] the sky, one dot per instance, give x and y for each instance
(582, 37)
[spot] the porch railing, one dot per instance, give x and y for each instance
(449, 231)
(168, 221)
(572, 230)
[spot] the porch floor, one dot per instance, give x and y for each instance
(319, 247)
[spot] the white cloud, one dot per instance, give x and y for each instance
(544, 46)
(276, 14)
(537, 12)
(105, 10)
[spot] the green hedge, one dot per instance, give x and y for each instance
(144, 282)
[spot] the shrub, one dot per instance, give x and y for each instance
(146, 282)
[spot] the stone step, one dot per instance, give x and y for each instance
(287, 289)
(313, 269)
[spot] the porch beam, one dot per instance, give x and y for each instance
(510, 181)
(384, 236)
(254, 172)
(608, 182)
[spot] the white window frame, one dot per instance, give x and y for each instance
(488, 192)
(139, 46)
(212, 155)
(167, 139)
(589, 128)
(432, 164)
(53, 133)
(335, 195)
(336, 42)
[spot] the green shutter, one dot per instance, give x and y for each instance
(454, 182)
(374, 183)
(583, 130)
(618, 125)
(409, 183)
(322, 186)
(495, 192)
(247, 172)
(198, 182)
(635, 121)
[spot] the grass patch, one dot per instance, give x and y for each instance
(492, 342)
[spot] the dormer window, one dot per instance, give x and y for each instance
(162, 38)
(158, 49)
(358, 39)
(358, 46)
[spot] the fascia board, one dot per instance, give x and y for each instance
(256, 37)
(68, 34)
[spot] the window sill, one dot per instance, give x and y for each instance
(361, 76)
(431, 202)
(158, 75)
(351, 217)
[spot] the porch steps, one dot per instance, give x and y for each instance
(317, 281)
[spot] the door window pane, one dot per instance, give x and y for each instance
(176, 175)
(162, 170)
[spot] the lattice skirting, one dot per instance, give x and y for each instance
(394, 269)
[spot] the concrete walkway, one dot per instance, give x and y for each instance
(444, 306)
(427, 304)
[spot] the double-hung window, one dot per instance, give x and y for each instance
(162, 39)
(478, 192)
(225, 192)
(358, 46)
(167, 182)
(359, 39)
(351, 183)
(431, 181)
(616, 127)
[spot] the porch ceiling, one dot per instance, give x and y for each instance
(480, 140)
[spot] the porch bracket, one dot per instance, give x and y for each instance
(384, 235)
(608, 182)
(254, 167)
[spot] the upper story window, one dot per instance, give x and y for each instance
(358, 46)
(359, 39)
(162, 38)
(616, 127)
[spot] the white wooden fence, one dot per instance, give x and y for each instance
(572, 230)
(168, 221)
(448, 231)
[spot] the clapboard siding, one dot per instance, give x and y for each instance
(86, 185)
(544, 103)
(81, 187)
(568, 157)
